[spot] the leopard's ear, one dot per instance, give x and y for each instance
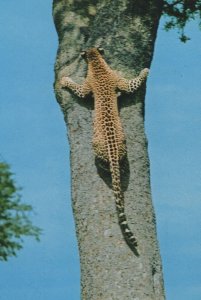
(83, 54)
(101, 50)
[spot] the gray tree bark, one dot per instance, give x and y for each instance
(126, 29)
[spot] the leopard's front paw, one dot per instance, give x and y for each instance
(64, 81)
(144, 73)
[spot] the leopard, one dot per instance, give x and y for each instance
(109, 142)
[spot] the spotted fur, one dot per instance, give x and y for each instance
(108, 139)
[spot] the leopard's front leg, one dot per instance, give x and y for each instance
(133, 84)
(81, 90)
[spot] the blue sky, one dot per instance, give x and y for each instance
(33, 140)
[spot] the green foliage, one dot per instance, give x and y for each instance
(14, 216)
(180, 13)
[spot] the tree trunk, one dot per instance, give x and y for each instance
(126, 29)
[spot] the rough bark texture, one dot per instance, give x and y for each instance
(127, 30)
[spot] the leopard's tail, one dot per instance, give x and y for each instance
(119, 196)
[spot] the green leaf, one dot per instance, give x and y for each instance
(15, 220)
